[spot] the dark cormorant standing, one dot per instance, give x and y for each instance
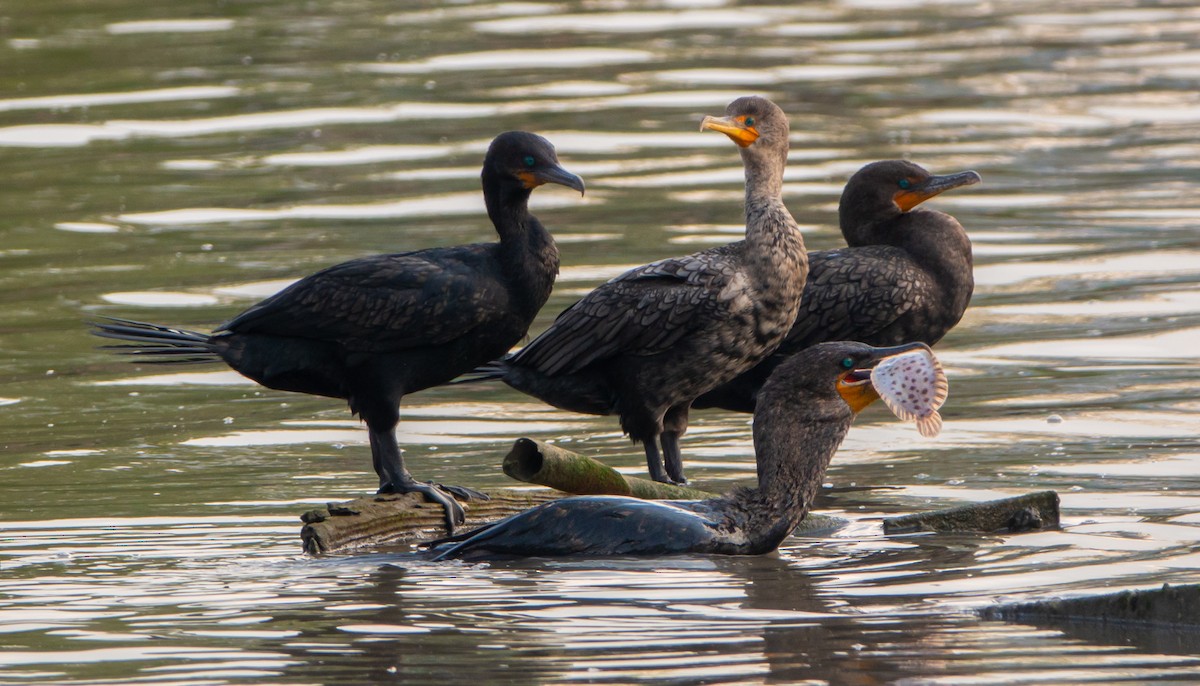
(906, 275)
(375, 329)
(646, 343)
(803, 414)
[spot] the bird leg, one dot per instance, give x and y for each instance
(654, 462)
(674, 425)
(672, 458)
(394, 477)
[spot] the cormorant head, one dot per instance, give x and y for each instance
(751, 120)
(525, 160)
(827, 371)
(891, 187)
(854, 384)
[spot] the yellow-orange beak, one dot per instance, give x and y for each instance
(735, 128)
(934, 185)
(856, 389)
(532, 178)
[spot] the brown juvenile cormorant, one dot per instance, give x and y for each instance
(906, 275)
(646, 343)
(375, 329)
(803, 414)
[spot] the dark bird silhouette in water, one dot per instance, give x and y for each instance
(375, 329)
(803, 414)
(645, 344)
(906, 275)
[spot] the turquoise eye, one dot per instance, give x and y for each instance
(529, 161)
(848, 362)
(749, 121)
(905, 183)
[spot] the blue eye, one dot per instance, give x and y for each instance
(529, 161)
(749, 121)
(905, 183)
(848, 362)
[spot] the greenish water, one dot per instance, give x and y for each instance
(175, 163)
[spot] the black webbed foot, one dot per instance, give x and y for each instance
(433, 493)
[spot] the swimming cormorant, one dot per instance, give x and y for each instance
(646, 343)
(803, 414)
(906, 275)
(375, 329)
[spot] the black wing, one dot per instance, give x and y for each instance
(644, 311)
(854, 293)
(385, 302)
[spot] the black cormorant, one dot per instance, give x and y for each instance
(375, 329)
(906, 275)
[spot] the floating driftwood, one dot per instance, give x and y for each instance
(1169, 605)
(389, 519)
(544, 464)
(1022, 513)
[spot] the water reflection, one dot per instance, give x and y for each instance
(564, 58)
(125, 98)
(182, 166)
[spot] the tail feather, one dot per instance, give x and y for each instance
(496, 369)
(160, 344)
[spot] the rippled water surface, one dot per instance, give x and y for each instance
(175, 162)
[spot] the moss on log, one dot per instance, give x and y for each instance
(544, 464)
(1022, 513)
(1169, 605)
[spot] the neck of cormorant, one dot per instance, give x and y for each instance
(776, 261)
(764, 167)
(866, 224)
(794, 439)
(507, 206)
(530, 252)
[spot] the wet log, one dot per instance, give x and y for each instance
(1022, 513)
(399, 519)
(544, 464)
(1167, 606)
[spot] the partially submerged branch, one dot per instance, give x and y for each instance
(396, 519)
(1169, 605)
(1021, 513)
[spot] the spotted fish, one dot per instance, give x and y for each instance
(913, 386)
